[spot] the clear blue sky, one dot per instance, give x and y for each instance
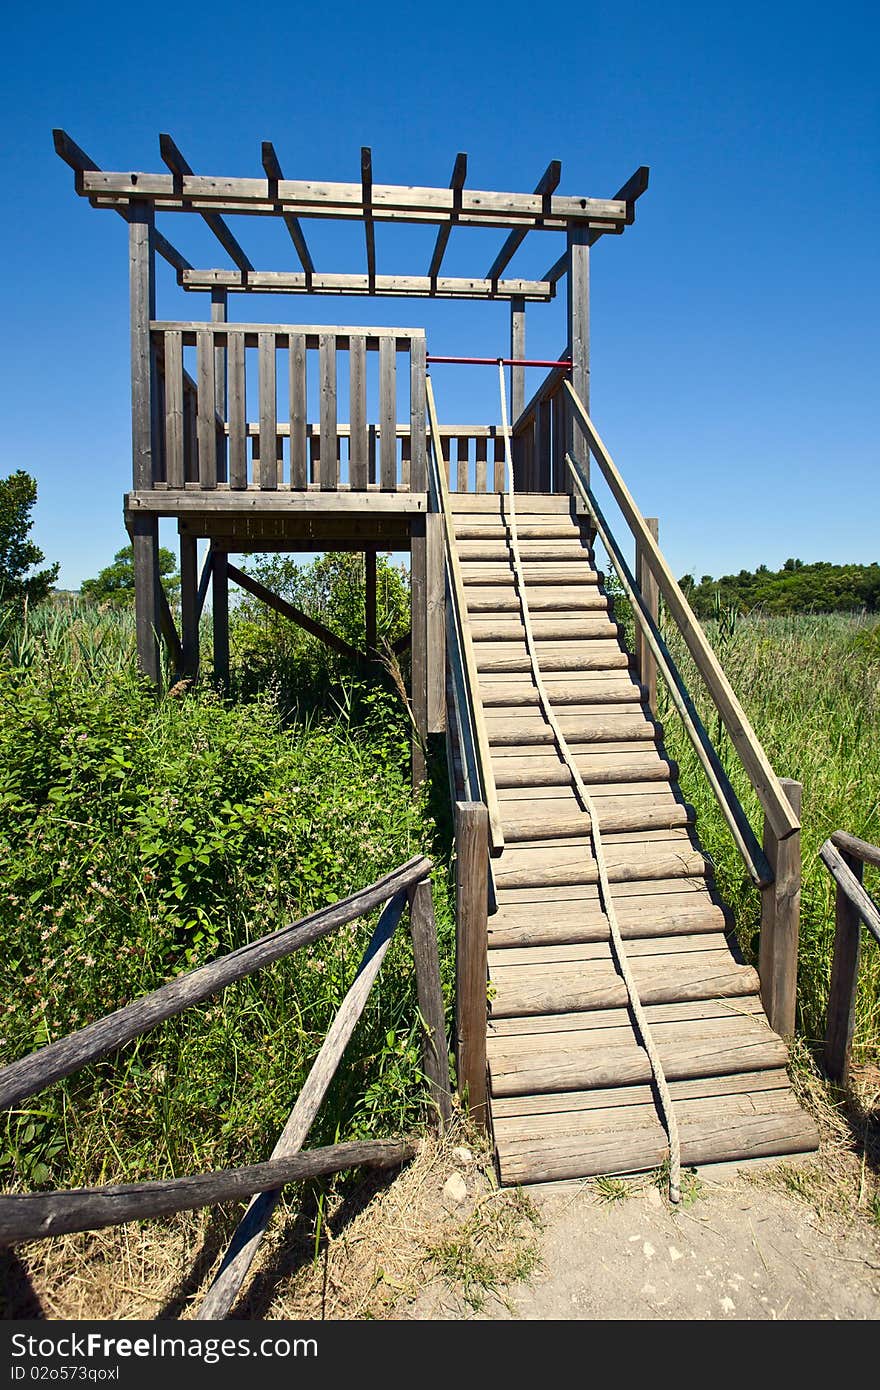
(734, 326)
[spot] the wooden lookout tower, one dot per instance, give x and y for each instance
(624, 1024)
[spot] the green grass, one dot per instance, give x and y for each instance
(140, 838)
(810, 685)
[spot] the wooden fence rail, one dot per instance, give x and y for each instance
(32, 1215)
(844, 856)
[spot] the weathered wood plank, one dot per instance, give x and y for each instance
(38, 1215)
(249, 1232)
(299, 468)
(471, 882)
(207, 418)
(59, 1059)
(238, 460)
(268, 412)
(329, 469)
(388, 415)
(780, 919)
(359, 438)
(417, 415)
(426, 959)
(173, 353)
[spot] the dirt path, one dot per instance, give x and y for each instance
(739, 1250)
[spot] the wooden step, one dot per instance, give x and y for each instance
(562, 627)
(532, 770)
(567, 923)
(535, 552)
(602, 727)
(579, 574)
(515, 870)
(528, 503)
(533, 529)
(610, 1055)
(498, 603)
(598, 692)
(711, 1017)
(621, 1138)
(615, 817)
(567, 986)
(604, 657)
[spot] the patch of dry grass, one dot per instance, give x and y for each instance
(363, 1250)
(842, 1181)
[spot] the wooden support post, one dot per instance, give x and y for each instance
(518, 386)
(579, 343)
(844, 979)
(780, 920)
(436, 622)
(418, 627)
(220, 617)
(142, 292)
(145, 547)
(189, 604)
(645, 661)
(371, 613)
(471, 953)
(435, 1050)
(219, 299)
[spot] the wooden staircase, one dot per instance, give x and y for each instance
(571, 1093)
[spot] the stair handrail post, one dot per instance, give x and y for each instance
(780, 919)
(471, 954)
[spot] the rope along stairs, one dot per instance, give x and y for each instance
(624, 1032)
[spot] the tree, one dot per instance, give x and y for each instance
(115, 583)
(18, 554)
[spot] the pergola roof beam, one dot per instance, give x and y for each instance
(389, 202)
(181, 170)
(367, 196)
(402, 286)
(79, 161)
(456, 183)
(547, 183)
(631, 190)
(274, 175)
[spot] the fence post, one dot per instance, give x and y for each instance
(646, 664)
(844, 980)
(471, 955)
(780, 920)
(435, 1049)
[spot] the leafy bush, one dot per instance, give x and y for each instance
(141, 838)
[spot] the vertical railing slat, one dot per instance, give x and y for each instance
(207, 415)
(388, 413)
(268, 412)
(299, 465)
(461, 468)
(480, 473)
(174, 469)
(235, 366)
(500, 483)
(358, 459)
(418, 479)
(329, 463)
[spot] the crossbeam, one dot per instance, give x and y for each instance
(633, 188)
(384, 286)
(456, 183)
(294, 615)
(548, 181)
(275, 176)
(180, 170)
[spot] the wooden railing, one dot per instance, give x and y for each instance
(775, 866)
(538, 438)
(32, 1216)
(845, 856)
(460, 651)
(202, 434)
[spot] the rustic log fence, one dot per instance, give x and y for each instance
(32, 1216)
(845, 856)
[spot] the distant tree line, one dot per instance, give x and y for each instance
(796, 588)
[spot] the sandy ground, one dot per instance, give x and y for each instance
(740, 1250)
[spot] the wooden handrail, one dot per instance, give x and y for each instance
(59, 1059)
(766, 784)
(746, 841)
(844, 856)
(441, 489)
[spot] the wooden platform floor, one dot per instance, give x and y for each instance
(570, 1085)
